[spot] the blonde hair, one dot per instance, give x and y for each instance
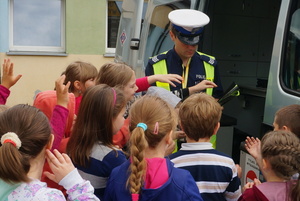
(282, 150)
(199, 114)
(115, 75)
(150, 110)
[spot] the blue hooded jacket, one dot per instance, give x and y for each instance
(179, 187)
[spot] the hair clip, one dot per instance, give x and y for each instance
(156, 128)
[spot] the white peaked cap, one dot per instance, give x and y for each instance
(188, 19)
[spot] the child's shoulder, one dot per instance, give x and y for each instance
(211, 155)
(99, 151)
(34, 190)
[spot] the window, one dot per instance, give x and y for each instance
(291, 65)
(114, 9)
(37, 25)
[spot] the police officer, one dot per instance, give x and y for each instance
(198, 70)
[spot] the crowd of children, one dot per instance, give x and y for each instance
(115, 145)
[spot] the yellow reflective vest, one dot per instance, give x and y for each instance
(161, 68)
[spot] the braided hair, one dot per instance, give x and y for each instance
(282, 150)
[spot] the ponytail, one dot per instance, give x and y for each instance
(13, 168)
(24, 132)
(138, 163)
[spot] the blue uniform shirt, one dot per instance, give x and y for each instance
(196, 70)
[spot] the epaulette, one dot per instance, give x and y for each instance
(157, 58)
(209, 60)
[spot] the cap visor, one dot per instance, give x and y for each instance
(189, 40)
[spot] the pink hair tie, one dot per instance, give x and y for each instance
(135, 197)
(156, 128)
(115, 95)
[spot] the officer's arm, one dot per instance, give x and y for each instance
(201, 86)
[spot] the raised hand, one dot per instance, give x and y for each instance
(253, 147)
(8, 78)
(62, 91)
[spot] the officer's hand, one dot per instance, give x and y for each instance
(204, 84)
(167, 78)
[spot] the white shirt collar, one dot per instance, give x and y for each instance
(196, 146)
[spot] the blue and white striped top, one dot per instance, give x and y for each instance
(214, 172)
(102, 161)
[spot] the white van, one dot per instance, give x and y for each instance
(256, 44)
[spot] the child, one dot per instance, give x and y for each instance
(214, 172)
(25, 141)
(122, 76)
(287, 118)
(90, 147)
(280, 152)
(55, 107)
(147, 175)
(81, 75)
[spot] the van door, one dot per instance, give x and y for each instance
(145, 34)
(284, 77)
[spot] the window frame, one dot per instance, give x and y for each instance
(54, 49)
(292, 9)
(109, 50)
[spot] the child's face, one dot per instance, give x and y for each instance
(130, 88)
(118, 121)
(83, 86)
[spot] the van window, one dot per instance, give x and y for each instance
(114, 10)
(291, 66)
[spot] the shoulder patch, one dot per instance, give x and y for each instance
(157, 58)
(209, 60)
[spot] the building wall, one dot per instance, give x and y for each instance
(85, 41)
(85, 23)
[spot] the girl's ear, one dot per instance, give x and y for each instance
(77, 85)
(169, 137)
(50, 143)
(266, 165)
